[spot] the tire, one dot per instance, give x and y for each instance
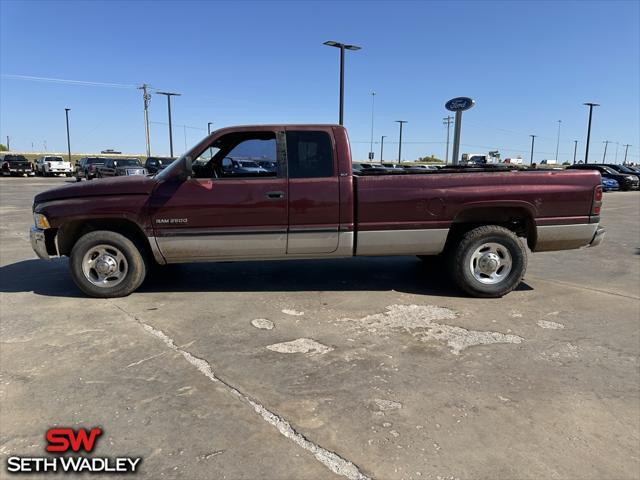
(122, 259)
(78, 179)
(489, 261)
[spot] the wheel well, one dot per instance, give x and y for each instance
(70, 232)
(516, 219)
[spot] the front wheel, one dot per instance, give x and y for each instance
(106, 264)
(489, 261)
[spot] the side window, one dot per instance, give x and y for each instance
(309, 154)
(239, 155)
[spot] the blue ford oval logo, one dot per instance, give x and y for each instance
(459, 104)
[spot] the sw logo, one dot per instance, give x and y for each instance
(63, 440)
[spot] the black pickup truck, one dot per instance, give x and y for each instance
(16, 165)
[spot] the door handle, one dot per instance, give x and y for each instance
(274, 195)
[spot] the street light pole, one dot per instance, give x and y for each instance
(616, 159)
(373, 103)
(169, 95)
(66, 114)
(606, 144)
(575, 150)
(558, 142)
(447, 121)
(586, 152)
(209, 128)
(533, 139)
(626, 148)
(382, 146)
(401, 122)
(342, 47)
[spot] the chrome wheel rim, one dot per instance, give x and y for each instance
(490, 263)
(104, 266)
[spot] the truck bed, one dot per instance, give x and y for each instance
(400, 213)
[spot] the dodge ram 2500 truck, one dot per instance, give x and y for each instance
(312, 206)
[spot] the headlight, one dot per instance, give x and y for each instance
(41, 221)
(630, 177)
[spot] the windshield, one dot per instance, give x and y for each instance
(128, 162)
(622, 168)
(610, 170)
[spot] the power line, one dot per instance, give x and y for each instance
(68, 81)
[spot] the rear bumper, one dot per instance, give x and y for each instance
(568, 237)
(598, 237)
(38, 243)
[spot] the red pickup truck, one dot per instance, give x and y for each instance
(289, 192)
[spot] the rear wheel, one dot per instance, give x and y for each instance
(107, 264)
(489, 261)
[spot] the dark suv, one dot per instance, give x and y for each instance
(626, 181)
(119, 167)
(87, 167)
(155, 164)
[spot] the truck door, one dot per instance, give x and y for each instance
(223, 212)
(314, 195)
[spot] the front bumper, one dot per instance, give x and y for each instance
(38, 243)
(598, 237)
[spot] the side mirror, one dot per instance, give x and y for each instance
(227, 164)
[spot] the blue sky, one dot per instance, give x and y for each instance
(527, 65)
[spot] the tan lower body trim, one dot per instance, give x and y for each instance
(402, 242)
(564, 237)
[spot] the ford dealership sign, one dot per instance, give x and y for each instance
(459, 104)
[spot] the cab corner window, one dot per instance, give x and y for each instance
(309, 154)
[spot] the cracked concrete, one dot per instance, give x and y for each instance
(331, 460)
(300, 345)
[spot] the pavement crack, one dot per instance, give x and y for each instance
(329, 459)
(582, 287)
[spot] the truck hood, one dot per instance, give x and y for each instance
(131, 185)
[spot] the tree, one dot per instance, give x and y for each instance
(3, 148)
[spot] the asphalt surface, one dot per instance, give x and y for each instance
(372, 368)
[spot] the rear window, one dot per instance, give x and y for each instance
(93, 161)
(15, 158)
(309, 154)
(53, 159)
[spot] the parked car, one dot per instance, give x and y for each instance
(118, 167)
(367, 168)
(417, 168)
(626, 181)
(114, 230)
(15, 165)
(52, 165)
(393, 167)
(609, 185)
(231, 166)
(87, 167)
(622, 169)
(156, 164)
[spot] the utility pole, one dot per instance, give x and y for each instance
(586, 152)
(558, 142)
(373, 103)
(342, 47)
(606, 144)
(209, 128)
(401, 122)
(616, 159)
(169, 95)
(382, 146)
(575, 150)
(626, 148)
(146, 97)
(448, 120)
(66, 113)
(533, 139)
(8, 144)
